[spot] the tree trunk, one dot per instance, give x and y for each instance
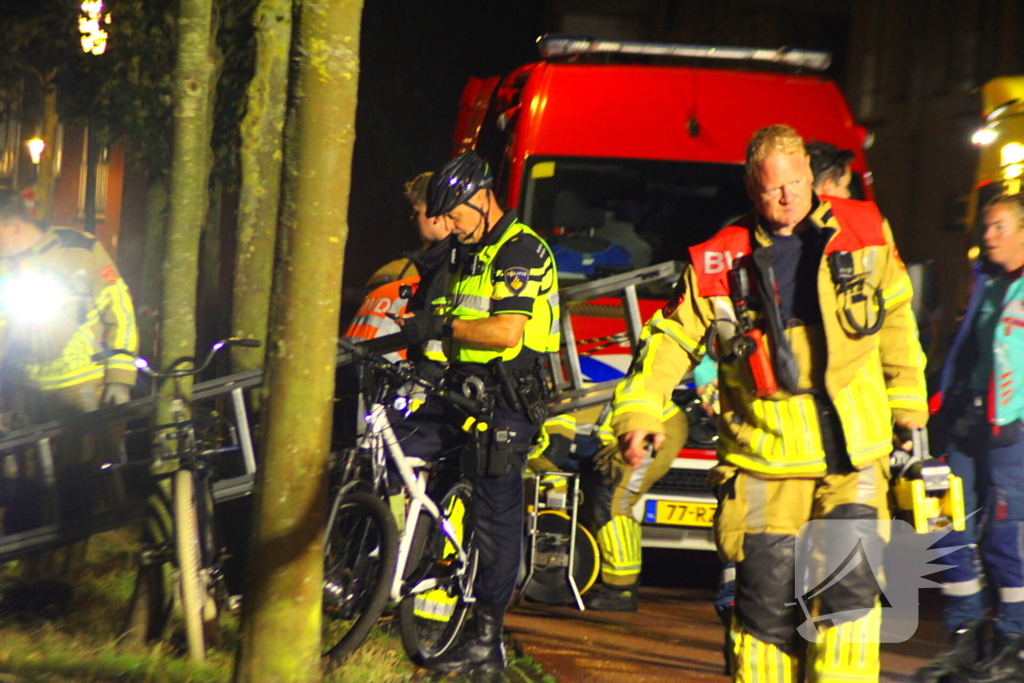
(46, 177)
(261, 155)
(286, 562)
(151, 278)
(189, 176)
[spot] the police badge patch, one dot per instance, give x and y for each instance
(516, 279)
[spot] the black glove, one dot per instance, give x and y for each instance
(421, 327)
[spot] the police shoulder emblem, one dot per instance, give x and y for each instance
(516, 279)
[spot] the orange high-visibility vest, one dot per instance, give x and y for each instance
(372, 319)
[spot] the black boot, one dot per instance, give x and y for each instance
(604, 598)
(961, 655)
(482, 651)
(1004, 666)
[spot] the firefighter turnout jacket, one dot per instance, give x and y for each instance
(61, 302)
(866, 355)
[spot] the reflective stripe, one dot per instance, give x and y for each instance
(960, 589)
(901, 291)
(434, 605)
(1011, 594)
(472, 302)
(728, 574)
(619, 543)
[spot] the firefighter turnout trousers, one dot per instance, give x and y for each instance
(756, 527)
(617, 487)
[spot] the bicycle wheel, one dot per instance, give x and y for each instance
(431, 620)
(359, 565)
(191, 578)
(153, 595)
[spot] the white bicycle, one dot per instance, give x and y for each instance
(428, 566)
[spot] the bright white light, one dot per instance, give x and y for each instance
(1011, 153)
(35, 149)
(31, 298)
(141, 363)
(90, 25)
(1013, 171)
(984, 136)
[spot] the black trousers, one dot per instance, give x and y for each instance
(434, 430)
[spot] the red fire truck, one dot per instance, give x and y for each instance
(623, 154)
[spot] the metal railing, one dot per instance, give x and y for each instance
(65, 532)
(573, 394)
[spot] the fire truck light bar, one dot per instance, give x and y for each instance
(564, 46)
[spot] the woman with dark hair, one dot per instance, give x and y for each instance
(983, 400)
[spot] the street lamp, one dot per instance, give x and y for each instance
(35, 149)
(90, 24)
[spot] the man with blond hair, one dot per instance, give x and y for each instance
(807, 305)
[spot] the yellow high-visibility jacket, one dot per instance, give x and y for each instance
(60, 303)
(871, 379)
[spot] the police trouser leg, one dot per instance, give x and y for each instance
(618, 532)
(961, 583)
(1002, 534)
(498, 518)
(756, 527)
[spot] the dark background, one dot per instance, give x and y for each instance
(910, 70)
(415, 59)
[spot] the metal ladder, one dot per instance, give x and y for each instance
(573, 393)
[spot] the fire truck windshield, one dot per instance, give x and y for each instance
(607, 215)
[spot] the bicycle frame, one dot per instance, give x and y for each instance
(380, 440)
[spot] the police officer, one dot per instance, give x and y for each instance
(498, 321)
(62, 300)
(808, 305)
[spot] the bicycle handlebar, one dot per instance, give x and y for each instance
(370, 351)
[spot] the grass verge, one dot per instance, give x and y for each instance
(84, 645)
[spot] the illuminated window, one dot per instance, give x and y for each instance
(102, 173)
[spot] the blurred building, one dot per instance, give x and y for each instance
(21, 121)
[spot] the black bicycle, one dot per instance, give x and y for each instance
(181, 526)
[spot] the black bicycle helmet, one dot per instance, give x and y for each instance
(456, 182)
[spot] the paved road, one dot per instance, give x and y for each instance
(675, 636)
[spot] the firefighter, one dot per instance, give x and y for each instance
(617, 489)
(612, 489)
(832, 173)
(62, 300)
(983, 400)
(498, 321)
(807, 305)
(614, 493)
